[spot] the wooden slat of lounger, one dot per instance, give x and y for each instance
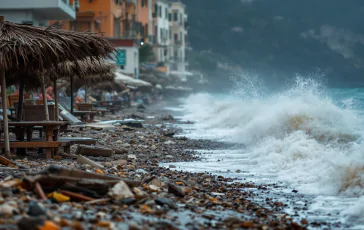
(33, 144)
(85, 141)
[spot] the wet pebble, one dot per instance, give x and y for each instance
(36, 209)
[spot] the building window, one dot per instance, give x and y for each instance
(117, 27)
(175, 37)
(169, 17)
(143, 3)
(180, 36)
(170, 34)
(156, 9)
(175, 15)
(141, 27)
(160, 11)
(156, 32)
(166, 10)
(146, 30)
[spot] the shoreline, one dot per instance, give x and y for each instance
(166, 198)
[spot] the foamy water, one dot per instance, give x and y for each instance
(306, 136)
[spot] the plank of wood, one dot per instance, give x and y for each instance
(33, 144)
(6, 161)
(84, 160)
(93, 151)
(78, 140)
(40, 191)
(35, 123)
(76, 196)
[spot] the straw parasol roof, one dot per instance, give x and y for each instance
(110, 86)
(85, 72)
(30, 47)
(89, 70)
(90, 81)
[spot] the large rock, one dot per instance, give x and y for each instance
(36, 209)
(176, 190)
(120, 191)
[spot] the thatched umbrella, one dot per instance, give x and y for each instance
(110, 86)
(30, 48)
(105, 74)
(39, 48)
(84, 72)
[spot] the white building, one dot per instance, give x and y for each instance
(127, 57)
(161, 30)
(37, 12)
(177, 33)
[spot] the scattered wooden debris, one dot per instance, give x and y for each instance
(94, 151)
(84, 160)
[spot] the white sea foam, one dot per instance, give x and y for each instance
(300, 136)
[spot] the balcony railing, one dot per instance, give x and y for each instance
(177, 59)
(131, 1)
(178, 42)
(42, 10)
(129, 17)
(76, 3)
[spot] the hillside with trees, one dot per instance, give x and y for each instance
(278, 39)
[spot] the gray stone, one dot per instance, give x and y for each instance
(36, 209)
(166, 201)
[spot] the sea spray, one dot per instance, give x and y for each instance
(303, 135)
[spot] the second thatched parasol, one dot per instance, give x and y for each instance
(84, 72)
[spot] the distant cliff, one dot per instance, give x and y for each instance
(280, 37)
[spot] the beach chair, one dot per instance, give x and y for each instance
(86, 116)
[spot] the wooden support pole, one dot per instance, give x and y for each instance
(72, 96)
(21, 101)
(86, 94)
(45, 102)
(5, 113)
(56, 98)
(5, 109)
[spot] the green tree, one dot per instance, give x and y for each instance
(146, 53)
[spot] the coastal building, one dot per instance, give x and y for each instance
(128, 19)
(161, 31)
(98, 16)
(118, 21)
(145, 21)
(38, 12)
(127, 57)
(177, 34)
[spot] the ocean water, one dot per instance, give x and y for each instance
(306, 136)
